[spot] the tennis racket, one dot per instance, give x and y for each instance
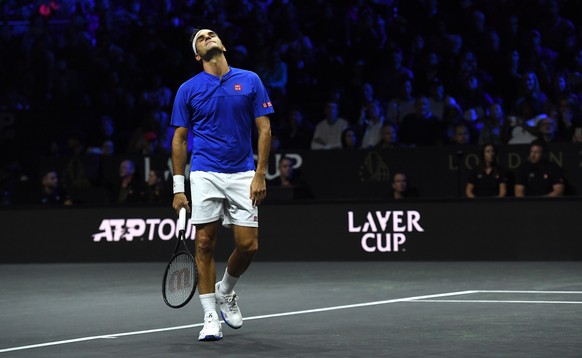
(181, 275)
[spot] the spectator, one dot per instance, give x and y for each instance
(421, 128)
(460, 135)
(156, 190)
(389, 138)
(286, 178)
(51, 192)
(393, 73)
(400, 187)
(538, 176)
(547, 130)
(298, 132)
(350, 139)
(290, 181)
(371, 123)
(532, 99)
(328, 132)
(488, 179)
(127, 188)
(402, 105)
(494, 127)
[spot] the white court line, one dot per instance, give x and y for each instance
(502, 291)
(497, 301)
(511, 301)
(105, 336)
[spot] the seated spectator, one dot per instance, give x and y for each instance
(401, 105)
(473, 96)
(350, 139)
(286, 178)
(568, 118)
(297, 133)
(328, 132)
(460, 135)
(494, 128)
(370, 124)
(51, 192)
(389, 138)
(127, 189)
(532, 100)
(400, 188)
(421, 128)
(288, 184)
(488, 179)
(156, 189)
(538, 176)
(547, 130)
(393, 72)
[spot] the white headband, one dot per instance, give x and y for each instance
(196, 38)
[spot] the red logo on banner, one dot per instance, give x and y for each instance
(237, 87)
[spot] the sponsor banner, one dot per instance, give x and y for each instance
(510, 229)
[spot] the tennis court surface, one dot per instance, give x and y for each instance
(300, 309)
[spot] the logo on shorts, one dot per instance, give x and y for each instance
(237, 87)
(267, 104)
(256, 218)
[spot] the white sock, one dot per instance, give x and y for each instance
(208, 303)
(227, 283)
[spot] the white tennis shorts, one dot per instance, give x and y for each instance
(223, 196)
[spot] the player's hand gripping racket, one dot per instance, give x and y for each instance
(181, 275)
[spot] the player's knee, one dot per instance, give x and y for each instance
(204, 243)
(249, 248)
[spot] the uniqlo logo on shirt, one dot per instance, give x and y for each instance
(237, 87)
(267, 104)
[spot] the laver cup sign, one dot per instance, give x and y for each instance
(116, 230)
(384, 231)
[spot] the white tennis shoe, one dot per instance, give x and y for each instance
(229, 308)
(212, 330)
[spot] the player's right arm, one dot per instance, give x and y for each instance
(179, 159)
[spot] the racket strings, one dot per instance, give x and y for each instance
(180, 279)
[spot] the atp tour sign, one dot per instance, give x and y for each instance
(384, 231)
(116, 230)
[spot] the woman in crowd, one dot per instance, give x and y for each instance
(489, 178)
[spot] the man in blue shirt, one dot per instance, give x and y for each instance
(221, 106)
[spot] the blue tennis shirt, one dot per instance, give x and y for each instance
(221, 114)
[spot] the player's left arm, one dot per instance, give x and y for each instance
(259, 185)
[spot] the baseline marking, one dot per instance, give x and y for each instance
(325, 309)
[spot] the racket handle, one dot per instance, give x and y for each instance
(182, 219)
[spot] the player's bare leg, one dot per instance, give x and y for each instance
(246, 245)
(205, 244)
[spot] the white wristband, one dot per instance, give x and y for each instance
(179, 184)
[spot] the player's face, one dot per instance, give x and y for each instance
(207, 41)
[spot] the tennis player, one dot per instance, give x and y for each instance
(221, 106)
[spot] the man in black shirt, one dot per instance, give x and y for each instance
(538, 176)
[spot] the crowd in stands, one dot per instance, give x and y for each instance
(97, 77)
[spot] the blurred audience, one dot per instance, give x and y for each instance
(108, 70)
